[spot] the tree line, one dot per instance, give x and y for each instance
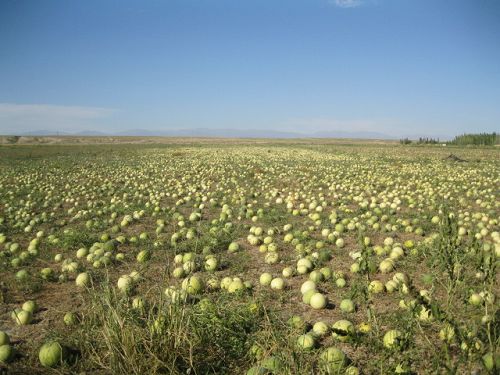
(480, 139)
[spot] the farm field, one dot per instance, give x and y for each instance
(249, 257)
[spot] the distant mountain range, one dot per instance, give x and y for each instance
(217, 133)
(232, 133)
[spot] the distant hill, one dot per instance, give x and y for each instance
(356, 135)
(217, 133)
(44, 133)
(91, 133)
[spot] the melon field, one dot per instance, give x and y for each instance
(249, 257)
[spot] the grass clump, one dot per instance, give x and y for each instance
(207, 336)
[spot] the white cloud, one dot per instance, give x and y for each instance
(347, 3)
(13, 110)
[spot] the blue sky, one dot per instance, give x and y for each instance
(393, 66)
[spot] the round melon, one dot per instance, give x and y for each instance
(23, 317)
(51, 354)
(4, 338)
(30, 306)
(318, 301)
(6, 353)
(333, 359)
(306, 342)
(347, 306)
(82, 280)
(307, 285)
